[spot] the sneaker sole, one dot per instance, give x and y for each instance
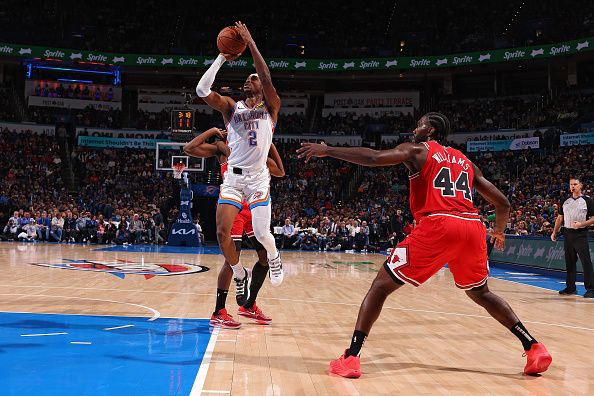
(542, 365)
(347, 373)
(223, 326)
(259, 321)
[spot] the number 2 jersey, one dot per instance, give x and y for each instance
(249, 136)
(443, 185)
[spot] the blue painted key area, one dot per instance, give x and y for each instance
(161, 357)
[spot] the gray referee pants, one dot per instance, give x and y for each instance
(576, 244)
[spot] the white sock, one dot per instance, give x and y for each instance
(238, 271)
(273, 255)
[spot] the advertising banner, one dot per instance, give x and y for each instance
(110, 142)
(36, 129)
(502, 145)
(372, 99)
(122, 133)
(320, 65)
(205, 190)
(577, 139)
(535, 252)
(67, 103)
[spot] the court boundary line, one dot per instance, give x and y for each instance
(156, 314)
(318, 302)
(43, 334)
(200, 379)
(100, 315)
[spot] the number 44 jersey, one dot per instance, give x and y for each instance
(443, 185)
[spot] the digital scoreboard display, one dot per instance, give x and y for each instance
(182, 125)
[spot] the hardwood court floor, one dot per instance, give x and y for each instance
(429, 340)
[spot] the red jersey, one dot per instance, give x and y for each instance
(443, 185)
(245, 207)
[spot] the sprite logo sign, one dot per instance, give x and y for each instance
(315, 65)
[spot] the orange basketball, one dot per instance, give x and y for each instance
(230, 42)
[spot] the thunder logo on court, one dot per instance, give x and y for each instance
(121, 268)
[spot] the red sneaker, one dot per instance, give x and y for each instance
(255, 313)
(346, 367)
(538, 358)
(224, 320)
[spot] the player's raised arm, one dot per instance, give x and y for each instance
(362, 155)
(223, 104)
(275, 163)
(272, 99)
(198, 147)
(497, 199)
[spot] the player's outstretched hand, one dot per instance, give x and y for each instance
(498, 238)
(230, 57)
(309, 150)
(244, 32)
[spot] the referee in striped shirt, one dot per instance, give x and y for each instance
(576, 214)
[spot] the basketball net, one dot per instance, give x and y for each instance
(178, 169)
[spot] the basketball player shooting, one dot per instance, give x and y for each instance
(449, 231)
(201, 147)
(250, 124)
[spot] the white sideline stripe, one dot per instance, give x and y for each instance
(521, 273)
(203, 370)
(42, 335)
(80, 342)
(118, 327)
(156, 314)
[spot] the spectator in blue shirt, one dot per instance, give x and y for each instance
(43, 227)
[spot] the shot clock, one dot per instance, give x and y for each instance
(182, 125)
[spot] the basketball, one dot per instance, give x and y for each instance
(230, 42)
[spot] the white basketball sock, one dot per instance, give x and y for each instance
(238, 271)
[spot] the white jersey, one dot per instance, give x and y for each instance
(249, 136)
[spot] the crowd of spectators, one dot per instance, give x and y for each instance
(355, 124)
(80, 91)
(516, 112)
(123, 200)
(315, 215)
(87, 117)
(392, 28)
(30, 170)
(116, 185)
(7, 113)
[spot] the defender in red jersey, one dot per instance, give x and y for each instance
(449, 231)
(246, 291)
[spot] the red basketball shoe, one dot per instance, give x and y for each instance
(255, 313)
(346, 367)
(224, 320)
(538, 359)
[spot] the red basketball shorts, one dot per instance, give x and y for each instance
(458, 240)
(242, 222)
